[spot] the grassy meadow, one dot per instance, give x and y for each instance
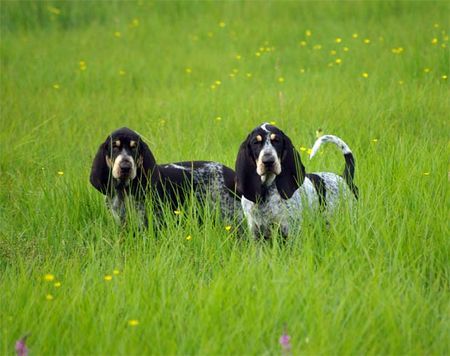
(194, 78)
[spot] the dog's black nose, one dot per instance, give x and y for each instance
(268, 160)
(125, 166)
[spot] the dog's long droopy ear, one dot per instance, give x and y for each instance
(292, 170)
(100, 171)
(248, 182)
(147, 162)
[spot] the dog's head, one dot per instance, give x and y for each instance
(122, 158)
(267, 156)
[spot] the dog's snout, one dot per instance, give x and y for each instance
(125, 166)
(268, 159)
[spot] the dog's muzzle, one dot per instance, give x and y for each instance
(269, 162)
(125, 168)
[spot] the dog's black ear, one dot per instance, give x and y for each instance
(147, 162)
(248, 182)
(292, 170)
(100, 172)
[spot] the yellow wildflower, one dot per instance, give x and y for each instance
(49, 297)
(188, 237)
(273, 123)
(116, 272)
(60, 173)
(218, 82)
(338, 61)
(303, 149)
(133, 322)
(54, 10)
(426, 173)
(218, 118)
(355, 35)
(49, 277)
(308, 33)
(319, 133)
(434, 41)
(427, 70)
(222, 24)
(281, 80)
(188, 70)
(56, 86)
(117, 34)
(374, 140)
(134, 23)
(338, 40)
(309, 151)
(107, 278)
(401, 82)
(345, 49)
(257, 54)
(365, 75)
(302, 70)
(317, 47)
(122, 72)
(303, 43)
(228, 228)
(83, 65)
(444, 77)
(238, 57)
(57, 284)
(333, 52)
(177, 212)
(366, 40)
(249, 75)
(398, 50)
(213, 87)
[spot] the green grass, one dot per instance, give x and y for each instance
(374, 284)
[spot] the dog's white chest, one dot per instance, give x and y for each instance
(267, 214)
(275, 211)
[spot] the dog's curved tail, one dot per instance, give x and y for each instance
(349, 170)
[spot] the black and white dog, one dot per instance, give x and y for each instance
(124, 169)
(275, 187)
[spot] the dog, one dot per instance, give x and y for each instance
(124, 169)
(275, 187)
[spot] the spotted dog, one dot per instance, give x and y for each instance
(125, 170)
(275, 187)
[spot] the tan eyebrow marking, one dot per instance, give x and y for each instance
(117, 143)
(272, 136)
(132, 143)
(259, 138)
